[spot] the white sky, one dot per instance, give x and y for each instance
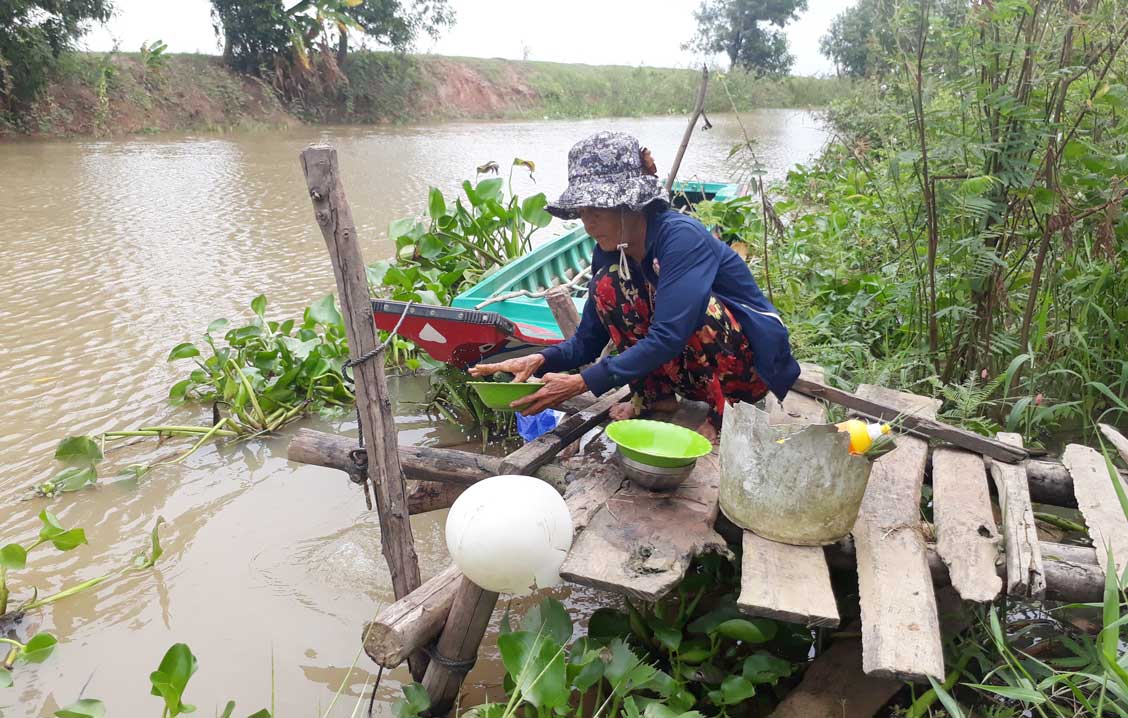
(597, 32)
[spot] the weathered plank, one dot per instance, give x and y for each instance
(1116, 439)
(878, 406)
(965, 524)
(788, 583)
(900, 628)
(1099, 504)
(640, 543)
(413, 621)
(544, 448)
(1025, 576)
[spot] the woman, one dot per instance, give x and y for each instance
(680, 306)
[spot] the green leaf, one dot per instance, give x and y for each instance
(758, 630)
(1025, 695)
(488, 189)
(83, 708)
(228, 710)
(171, 678)
(736, 689)
(585, 667)
(626, 672)
(657, 710)
(402, 227)
(324, 311)
(415, 702)
(670, 638)
(536, 664)
(376, 271)
(5, 678)
(708, 623)
(144, 561)
(946, 699)
(549, 618)
(13, 556)
(74, 478)
(258, 305)
(532, 209)
(179, 391)
(78, 449)
(261, 713)
(606, 624)
(185, 350)
(39, 648)
(217, 325)
(766, 668)
(436, 205)
(69, 540)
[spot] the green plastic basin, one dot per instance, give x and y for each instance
(499, 395)
(657, 443)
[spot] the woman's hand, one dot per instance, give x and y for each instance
(522, 367)
(557, 388)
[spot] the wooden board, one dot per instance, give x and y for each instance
(900, 628)
(1097, 499)
(640, 543)
(965, 524)
(1117, 439)
(544, 448)
(1026, 576)
(879, 406)
(788, 583)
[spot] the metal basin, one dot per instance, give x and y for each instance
(655, 478)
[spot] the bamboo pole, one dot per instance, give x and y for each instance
(698, 108)
(334, 217)
(458, 644)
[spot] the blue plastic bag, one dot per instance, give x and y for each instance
(530, 427)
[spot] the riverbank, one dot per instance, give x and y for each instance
(115, 94)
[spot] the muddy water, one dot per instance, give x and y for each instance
(112, 252)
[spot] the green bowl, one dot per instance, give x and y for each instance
(499, 395)
(657, 443)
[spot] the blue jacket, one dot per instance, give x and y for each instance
(692, 264)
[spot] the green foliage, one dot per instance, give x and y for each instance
(171, 679)
(153, 56)
(735, 27)
(83, 708)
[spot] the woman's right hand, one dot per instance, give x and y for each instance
(522, 367)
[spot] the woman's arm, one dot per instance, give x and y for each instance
(688, 267)
(582, 348)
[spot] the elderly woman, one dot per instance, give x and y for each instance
(680, 306)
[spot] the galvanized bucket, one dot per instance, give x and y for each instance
(791, 483)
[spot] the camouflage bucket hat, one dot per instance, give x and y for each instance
(607, 170)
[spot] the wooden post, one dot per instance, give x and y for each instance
(412, 622)
(563, 309)
(698, 108)
(333, 215)
(465, 627)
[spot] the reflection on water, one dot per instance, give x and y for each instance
(115, 251)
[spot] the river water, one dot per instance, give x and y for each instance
(113, 252)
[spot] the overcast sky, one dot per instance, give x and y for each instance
(598, 32)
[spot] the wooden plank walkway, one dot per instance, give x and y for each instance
(1026, 576)
(1099, 504)
(900, 628)
(788, 583)
(966, 537)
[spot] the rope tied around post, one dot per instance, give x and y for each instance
(451, 664)
(359, 455)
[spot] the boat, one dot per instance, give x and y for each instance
(506, 312)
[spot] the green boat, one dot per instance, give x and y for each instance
(506, 312)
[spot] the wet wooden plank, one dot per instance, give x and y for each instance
(1099, 504)
(900, 628)
(640, 543)
(1117, 439)
(967, 539)
(1026, 575)
(788, 583)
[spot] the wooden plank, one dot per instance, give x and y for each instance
(559, 300)
(965, 523)
(1116, 439)
(1025, 575)
(334, 217)
(544, 448)
(463, 632)
(900, 628)
(640, 543)
(788, 583)
(878, 406)
(1099, 504)
(413, 621)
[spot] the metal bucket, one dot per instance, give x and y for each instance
(790, 483)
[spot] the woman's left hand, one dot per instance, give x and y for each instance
(557, 388)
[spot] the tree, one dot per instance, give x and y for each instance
(33, 33)
(857, 43)
(395, 23)
(736, 28)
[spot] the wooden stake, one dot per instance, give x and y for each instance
(698, 108)
(333, 215)
(412, 622)
(1025, 573)
(563, 309)
(465, 627)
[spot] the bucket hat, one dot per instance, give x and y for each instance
(606, 171)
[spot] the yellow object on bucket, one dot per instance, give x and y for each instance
(862, 435)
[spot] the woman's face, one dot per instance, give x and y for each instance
(603, 225)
